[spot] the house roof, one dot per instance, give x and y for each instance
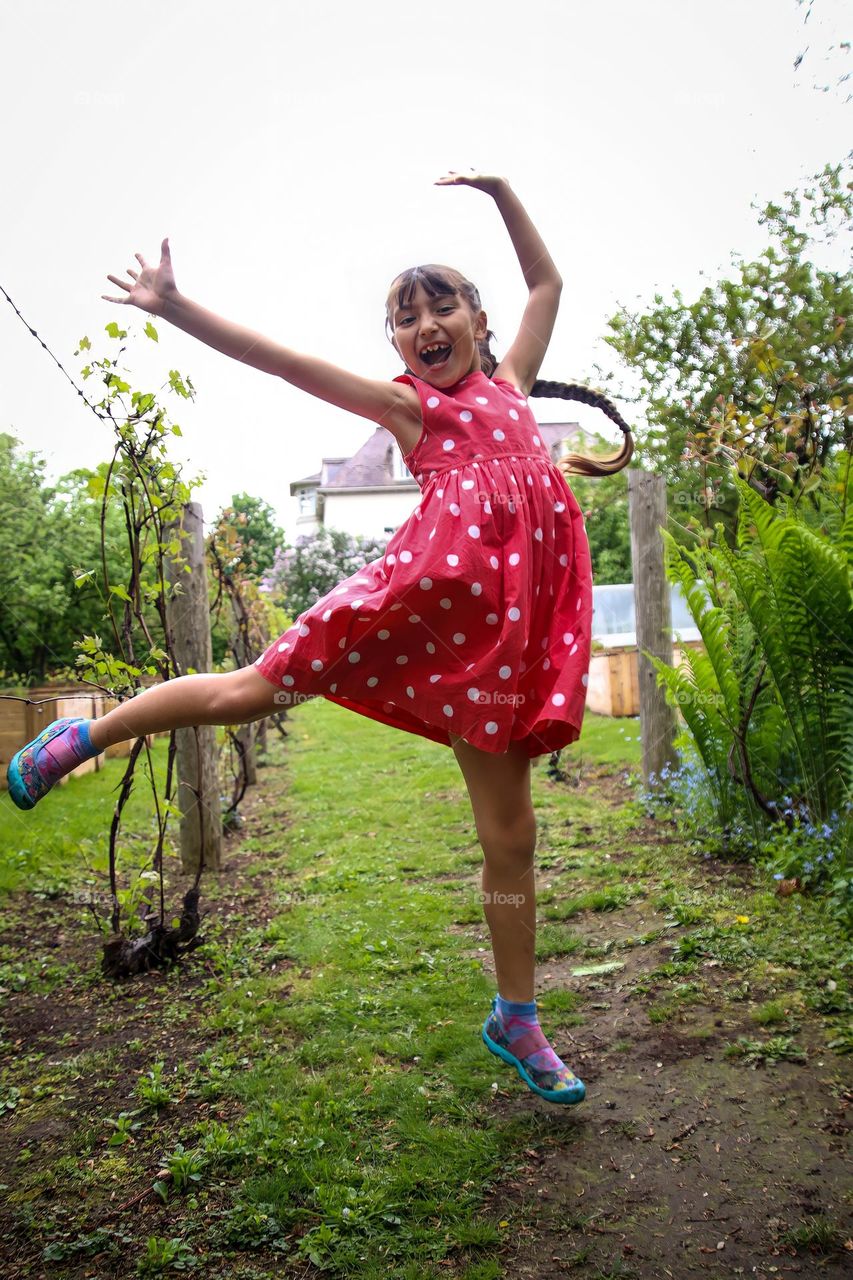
(372, 466)
(328, 468)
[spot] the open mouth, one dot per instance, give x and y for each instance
(435, 354)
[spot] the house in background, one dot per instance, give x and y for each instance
(372, 493)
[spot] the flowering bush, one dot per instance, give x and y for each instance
(305, 572)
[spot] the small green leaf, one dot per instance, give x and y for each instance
(151, 332)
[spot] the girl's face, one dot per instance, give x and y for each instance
(437, 337)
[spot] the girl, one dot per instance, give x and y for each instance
(473, 629)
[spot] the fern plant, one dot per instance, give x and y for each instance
(769, 704)
(795, 587)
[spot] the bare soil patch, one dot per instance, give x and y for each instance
(680, 1160)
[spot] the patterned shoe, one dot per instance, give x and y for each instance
(28, 778)
(556, 1086)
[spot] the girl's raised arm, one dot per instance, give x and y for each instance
(522, 361)
(391, 404)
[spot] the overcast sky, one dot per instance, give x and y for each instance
(289, 150)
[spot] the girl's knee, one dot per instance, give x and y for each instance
(510, 844)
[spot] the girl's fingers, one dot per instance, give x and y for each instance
(121, 283)
(164, 248)
(106, 298)
(139, 258)
(133, 274)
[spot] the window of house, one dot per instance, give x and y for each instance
(399, 470)
(307, 502)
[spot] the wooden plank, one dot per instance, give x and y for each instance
(653, 612)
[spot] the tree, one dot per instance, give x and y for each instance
(259, 535)
(30, 564)
(736, 375)
(76, 521)
(49, 541)
(751, 413)
(838, 64)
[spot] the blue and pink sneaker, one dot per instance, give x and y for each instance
(56, 751)
(519, 1040)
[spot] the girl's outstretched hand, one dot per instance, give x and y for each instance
(152, 287)
(487, 182)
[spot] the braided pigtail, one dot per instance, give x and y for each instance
(579, 463)
(573, 463)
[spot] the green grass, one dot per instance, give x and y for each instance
(553, 941)
(364, 1129)
(357, 1129)
(770, 1013)
(815, 1232)
(594, 900)
(43, 850)
(605, 741)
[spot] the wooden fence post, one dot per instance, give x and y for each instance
(197, 754)
(653, 611)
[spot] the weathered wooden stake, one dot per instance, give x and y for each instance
(647, 515)
(197, 754)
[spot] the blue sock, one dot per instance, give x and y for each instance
(519, 1008)
(518, 1018)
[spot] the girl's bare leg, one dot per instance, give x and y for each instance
(499, 788)
(233, 697)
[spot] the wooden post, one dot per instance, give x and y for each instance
(652, 607)
(197, 754)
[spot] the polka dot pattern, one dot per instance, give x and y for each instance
(475, 622)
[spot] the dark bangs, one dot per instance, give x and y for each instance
(436, 281)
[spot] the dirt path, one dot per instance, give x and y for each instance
(680, 1160)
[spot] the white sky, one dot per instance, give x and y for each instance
(289, 150)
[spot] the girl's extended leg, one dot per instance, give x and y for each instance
(500, 792)
(232, 697)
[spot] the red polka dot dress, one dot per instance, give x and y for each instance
(477, 619)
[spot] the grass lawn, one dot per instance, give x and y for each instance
(308, 1093)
